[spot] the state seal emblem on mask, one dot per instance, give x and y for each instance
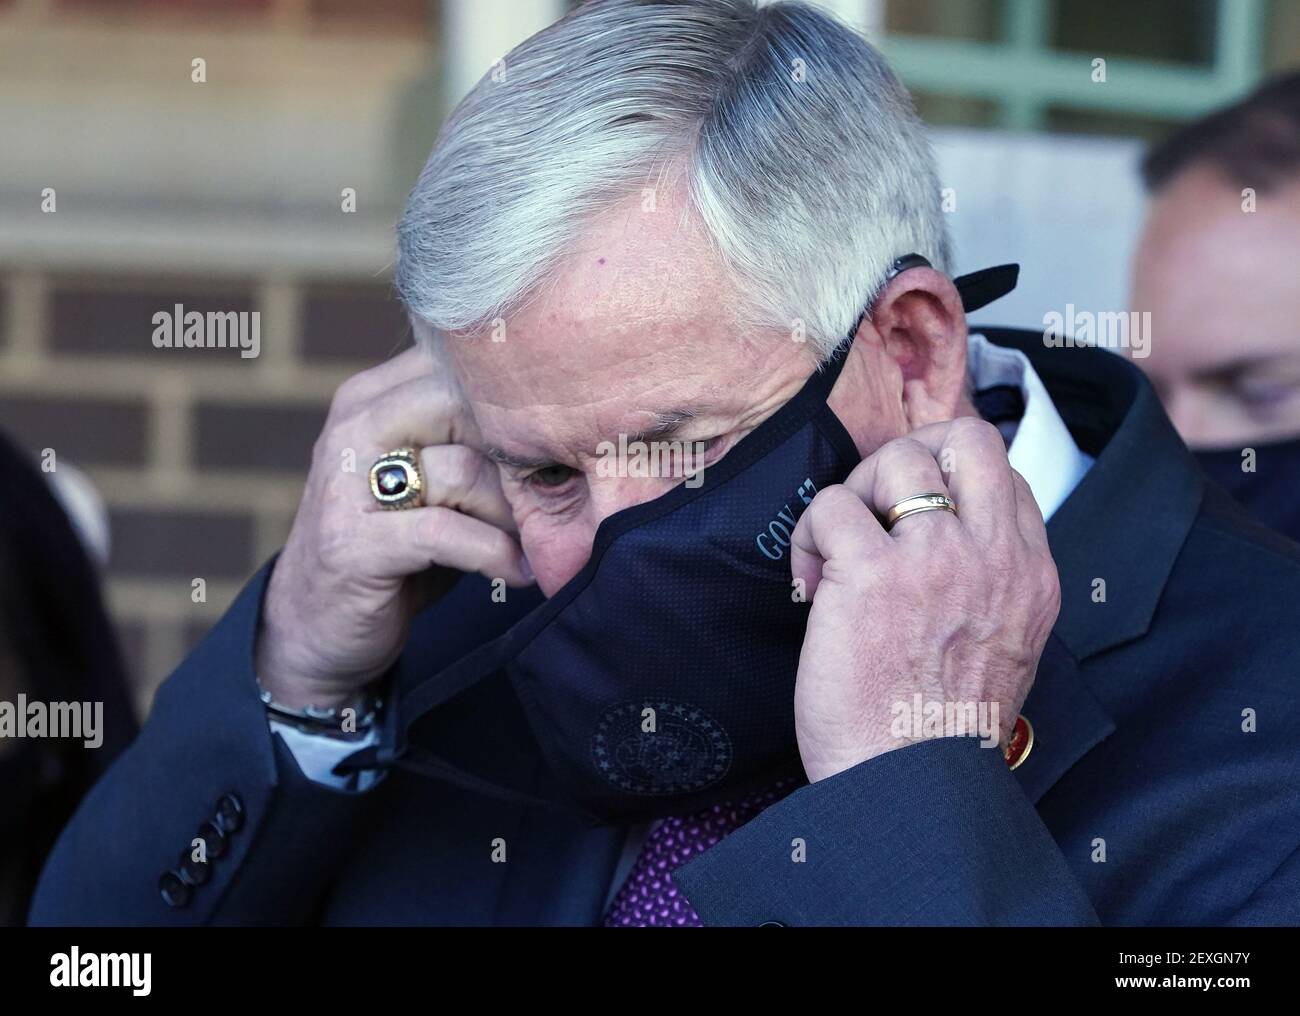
(654, 747)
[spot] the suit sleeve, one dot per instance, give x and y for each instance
(1276, 903)
(204, 768)
(938, 833)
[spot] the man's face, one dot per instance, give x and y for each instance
(637, 336)
(1220, 284)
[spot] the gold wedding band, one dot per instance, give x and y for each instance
(916, 504)
(396, 480)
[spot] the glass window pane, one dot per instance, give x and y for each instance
(1282, 37)
(946, 110)
(971, 20)
(1180, 31)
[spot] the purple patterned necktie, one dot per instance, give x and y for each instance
(649, 898)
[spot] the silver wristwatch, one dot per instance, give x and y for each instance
(351, 722)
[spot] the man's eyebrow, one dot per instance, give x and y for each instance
(512, 461)
(667, 423)
(664, 424)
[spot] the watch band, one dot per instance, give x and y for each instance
(351, 722)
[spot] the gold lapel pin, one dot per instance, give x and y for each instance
(1020, 743)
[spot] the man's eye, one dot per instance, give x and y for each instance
(1263, 394)
(708, 453)
(551, 476)
(712, 448)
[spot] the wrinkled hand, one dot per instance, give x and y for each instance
(955, 608)
(352, 575)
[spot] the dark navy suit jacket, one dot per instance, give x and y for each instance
(1163, 787)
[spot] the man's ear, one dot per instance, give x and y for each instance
(922, 328)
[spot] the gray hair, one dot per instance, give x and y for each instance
(802, 153)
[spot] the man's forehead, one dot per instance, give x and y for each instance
(635, 333)
(640, 307)
(640, 272)
(649, 398)
(1201, 218)
(658, 369)
(532, 448)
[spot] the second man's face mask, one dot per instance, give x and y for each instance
(1267, 483)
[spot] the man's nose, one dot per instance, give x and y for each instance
(610, 495)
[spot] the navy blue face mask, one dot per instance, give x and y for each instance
(660, 679)
(1272, 492)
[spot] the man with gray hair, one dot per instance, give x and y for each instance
(809, 668)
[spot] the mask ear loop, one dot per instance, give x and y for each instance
(896, 268)
(907, 261)
(977, 289)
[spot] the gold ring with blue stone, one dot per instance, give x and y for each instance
(396, 480)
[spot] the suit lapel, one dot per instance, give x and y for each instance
(1068, 721)
(1115, 540)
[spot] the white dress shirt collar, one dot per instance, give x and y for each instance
(1039, 446)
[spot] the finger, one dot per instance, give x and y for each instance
(973, 457)
(836, 527)
(1029, 518)
(419, 413)
(423, 410)
(402, 543)
(468, 481)
(410, 363)
(898, 470)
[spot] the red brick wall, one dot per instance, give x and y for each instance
(199, 454)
